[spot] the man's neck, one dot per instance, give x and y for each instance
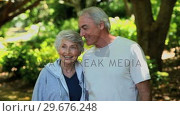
(105, 40)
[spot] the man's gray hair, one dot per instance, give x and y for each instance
(71, 36)
(96, 14)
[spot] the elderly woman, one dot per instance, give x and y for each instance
(63, 79)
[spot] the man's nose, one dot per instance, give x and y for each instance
(81, 33)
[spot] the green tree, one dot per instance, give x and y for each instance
(151, 33)
(78, 5)
(10, 9)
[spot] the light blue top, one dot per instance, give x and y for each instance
(51, 85)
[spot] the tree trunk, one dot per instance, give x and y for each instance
(152, 34)
(90, 3)
(127, 8)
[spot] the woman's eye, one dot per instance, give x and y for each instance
(73, 47)
(63, 46)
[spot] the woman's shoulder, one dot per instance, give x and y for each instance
(78, 66)
(43, 73)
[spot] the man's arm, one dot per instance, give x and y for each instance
(144, 90)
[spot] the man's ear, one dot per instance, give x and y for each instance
(101, 25)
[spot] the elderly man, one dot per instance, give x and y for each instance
(115, 68)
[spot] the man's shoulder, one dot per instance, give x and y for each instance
(90, 51)
(125, 41)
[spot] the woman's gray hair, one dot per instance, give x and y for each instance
(96, 14)
(71, 36)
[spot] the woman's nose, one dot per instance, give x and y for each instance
(67, 51)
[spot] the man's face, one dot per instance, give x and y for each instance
(89, 30)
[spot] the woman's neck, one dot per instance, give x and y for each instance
(68, 69)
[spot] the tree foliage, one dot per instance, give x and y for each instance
(9, 9)
(51, 16)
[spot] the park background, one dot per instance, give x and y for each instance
(28, 29)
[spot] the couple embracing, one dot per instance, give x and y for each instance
(68, 80)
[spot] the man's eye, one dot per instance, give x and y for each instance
(85, 28)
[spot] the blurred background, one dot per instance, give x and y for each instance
(28, 29)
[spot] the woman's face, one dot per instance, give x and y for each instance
(68, 51)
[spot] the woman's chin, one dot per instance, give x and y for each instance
(68, 62)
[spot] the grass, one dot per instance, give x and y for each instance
(15, 91)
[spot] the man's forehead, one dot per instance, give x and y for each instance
(84, 23)
(86, 17)
(85, 20)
